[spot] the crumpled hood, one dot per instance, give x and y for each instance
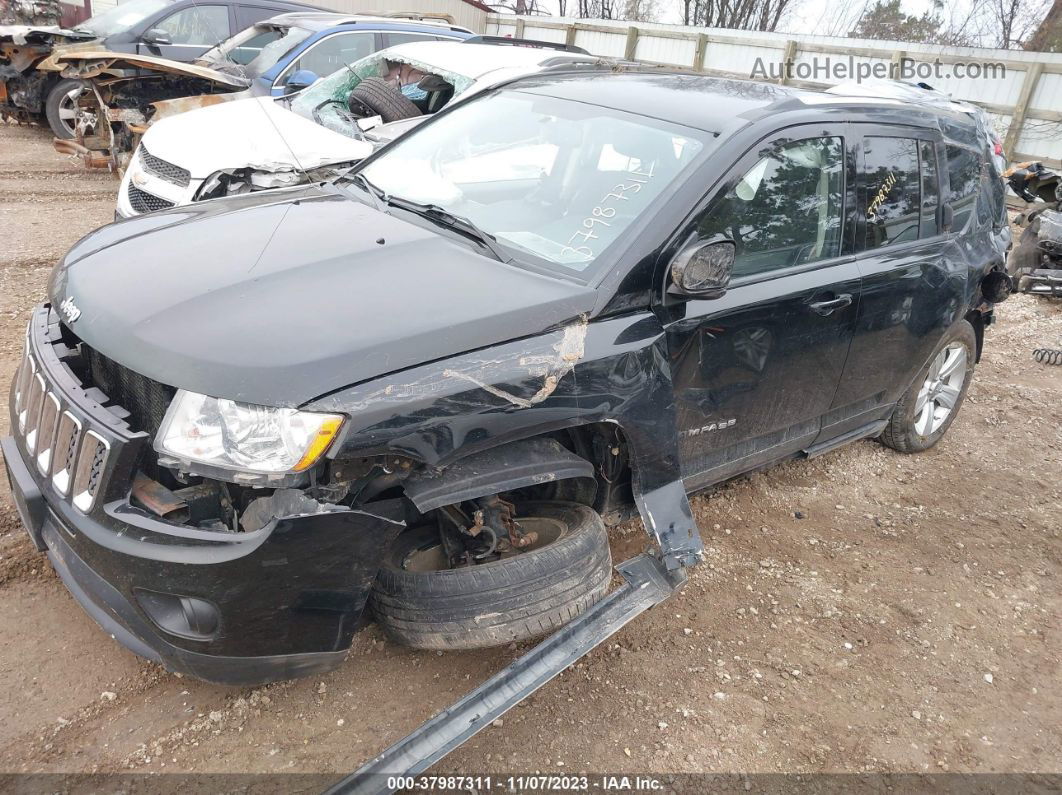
(256, 132)
(39, 34)
(87, 62)
(281, 297)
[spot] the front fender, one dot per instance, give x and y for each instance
(613, 370)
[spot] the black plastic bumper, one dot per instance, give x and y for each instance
(303, 611)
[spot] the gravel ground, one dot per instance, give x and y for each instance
(862, 612)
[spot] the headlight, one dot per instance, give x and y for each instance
(244, 437)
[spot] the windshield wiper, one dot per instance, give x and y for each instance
(443, 217)
(375, 193)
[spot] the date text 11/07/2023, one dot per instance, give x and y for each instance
(525, 783)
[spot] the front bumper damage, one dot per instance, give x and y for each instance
(231, 608)
(113, 556)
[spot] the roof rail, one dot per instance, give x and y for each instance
(534, 43)
(420, 16)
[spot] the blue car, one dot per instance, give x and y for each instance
(288, 52)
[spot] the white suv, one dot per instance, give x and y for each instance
(246, 145)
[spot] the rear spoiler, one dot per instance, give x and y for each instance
(534, 43)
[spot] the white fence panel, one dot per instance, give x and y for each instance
(1027, 112)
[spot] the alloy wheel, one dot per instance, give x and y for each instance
(940, 392)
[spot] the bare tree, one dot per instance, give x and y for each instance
(1048, 35)
(736, 14)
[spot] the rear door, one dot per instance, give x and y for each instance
(912, 284)
(755, 370)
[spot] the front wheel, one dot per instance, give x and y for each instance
(421, 602)
(930, 405)
(60, 108)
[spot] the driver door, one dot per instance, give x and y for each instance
(191, 31)
(755, 370)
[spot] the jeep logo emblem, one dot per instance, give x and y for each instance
(69, 308)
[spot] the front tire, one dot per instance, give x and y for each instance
(420, 603)
(931, 404)
(60, 108)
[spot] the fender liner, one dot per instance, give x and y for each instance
(529, 462)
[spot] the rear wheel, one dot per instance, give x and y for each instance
(421, 602)
(928, 408)
(60, 108)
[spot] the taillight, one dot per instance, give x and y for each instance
(998, 148)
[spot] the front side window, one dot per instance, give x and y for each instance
(964, 182)
(335, 52)
(786, 210)
(555, 182)
(201, 26)
(892, 199)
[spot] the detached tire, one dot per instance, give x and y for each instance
(920, 420)
(380, 97)
(59, 106)
(491, 604)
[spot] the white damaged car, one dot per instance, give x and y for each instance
(247, 145)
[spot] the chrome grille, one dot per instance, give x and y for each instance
(89, 471)
(46, 432)
(163, 169)
(34, 404)
(55, 437)
(143, 202)
(25, 374)
(64, 457)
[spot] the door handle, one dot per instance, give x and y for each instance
(825, 308)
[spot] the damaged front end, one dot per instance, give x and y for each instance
(28, 69)
(112, 116)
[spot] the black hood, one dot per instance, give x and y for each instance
(278, 302)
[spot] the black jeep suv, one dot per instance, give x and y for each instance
(420, 393)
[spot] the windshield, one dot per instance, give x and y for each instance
(554, 181)
(123, 17)
(275, 49)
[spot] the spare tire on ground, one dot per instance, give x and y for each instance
(374, 96)
(422, 604)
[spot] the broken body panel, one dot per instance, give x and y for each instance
(440, 352)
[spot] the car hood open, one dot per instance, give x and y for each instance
(281, 297)
(256, 132)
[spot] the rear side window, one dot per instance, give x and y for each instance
(786, 210)
(927, 155)
(893, 190)
(964, 182)
(393, 39)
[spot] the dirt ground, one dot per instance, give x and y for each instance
(862, 612)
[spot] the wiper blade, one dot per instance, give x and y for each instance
(444, 217)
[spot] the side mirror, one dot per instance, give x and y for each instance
(947, 217)
(303, 78)
(702, 269)
(157, 36)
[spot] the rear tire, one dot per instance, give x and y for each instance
(60, 107)
(919, 420)
(380, 97)
(491, 604)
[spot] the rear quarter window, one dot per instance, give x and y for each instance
(964, 178)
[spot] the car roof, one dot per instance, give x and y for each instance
(714, 104)
(322, 20)
(475, 60)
